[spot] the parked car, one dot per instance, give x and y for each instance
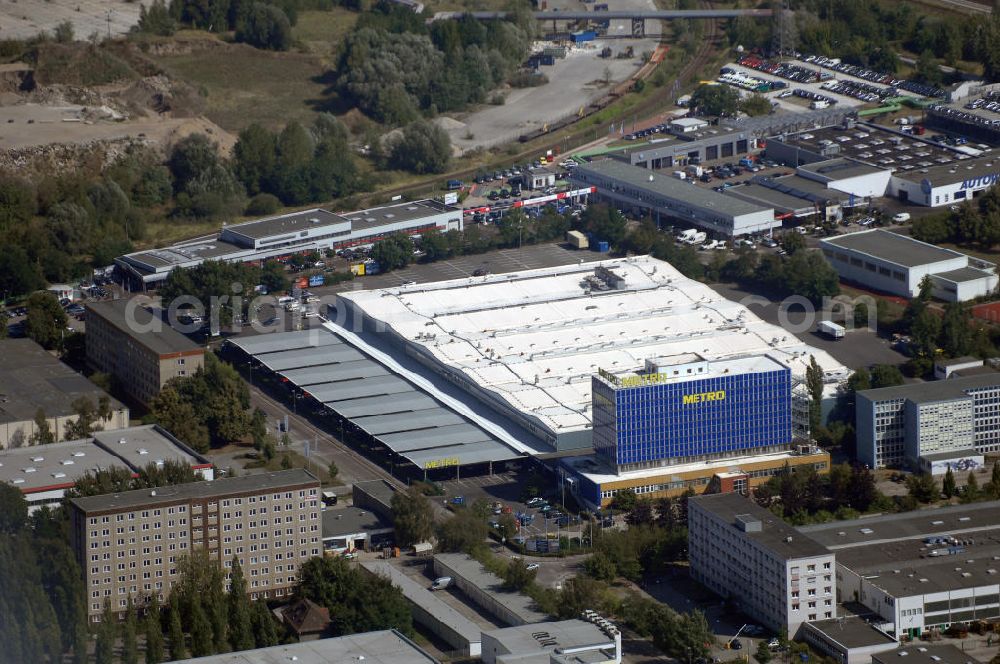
(901, 217)
(533, 566)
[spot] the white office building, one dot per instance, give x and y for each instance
(897, 264)
(955, 420)
(772, 572)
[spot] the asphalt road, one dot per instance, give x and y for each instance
(861, 347)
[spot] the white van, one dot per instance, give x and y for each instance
(441, 583)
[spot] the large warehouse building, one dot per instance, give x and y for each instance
(920, 569)
(668, 198)
(287, 234)
(527, 344)
(896, 264)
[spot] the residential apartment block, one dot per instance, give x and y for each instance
(950, 420)
(139, 350)
(745, 553)
(130, 543)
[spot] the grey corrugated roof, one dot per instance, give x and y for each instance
(281, 341)
(408, 422)
(852, 632)
(456, 434)
(839, 168)
(222, 487)
(938, 390)
(776, 535)
(136, 321)
(310, 357)
(962, 274)
(331, 373)
(364, 387)
(466, 454)
(384, 647)
(384, 405)
(892, 247)
(779, 200)
(286, 223)
(664, 185)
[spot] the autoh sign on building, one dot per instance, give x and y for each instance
(980, 182)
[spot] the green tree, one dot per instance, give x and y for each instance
(358, 601)
(13, 509)
(927, 69)
(464, 531)
(266, 26)
(516, 575)
(719, 100)
(254, 157)
(264, 629)
(922, 487)
(956, 332)
(43, 433)
(273, 277)
(886, 375)
(46, 321)
(153, 631)
(948, 488)
(201, 631)
(601, 567)
(240, 612)
(175, 630)
(412, 517)
(18, 203)
(793, 242)
(814, 384)
(86, 419)
(971, 492)
(104, 652)
(763, 654)
(394, 252)
(423, 147)
(755, 105)
(130, 627)
(156, 20)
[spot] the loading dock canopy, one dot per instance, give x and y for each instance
(401, 416)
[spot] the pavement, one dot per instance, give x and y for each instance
(574, 82)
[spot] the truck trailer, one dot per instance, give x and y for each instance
(831, 329)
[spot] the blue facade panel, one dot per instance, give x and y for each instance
(717, 415)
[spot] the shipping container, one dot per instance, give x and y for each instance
(302, 282)
(316, 280)
(577, 239)
(603, 247)
(585, 36)
(554, 51)
(372, 267)
(831, 329)
(548, 60)
(358, 269)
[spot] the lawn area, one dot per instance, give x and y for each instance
(322, 31)
(245, 85)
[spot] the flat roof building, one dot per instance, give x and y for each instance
(138, 349)
(665, 197)
(594, 641)
(526, 344)
(485, 589)
(430, 611)
(896, 264)
(902, 424)
(292, 233)
(192, 517)
(849, 639)
(44, 473)
(350, 527)
(772, 572)
(381, 647)
(946, 184)
(925, 654)
(921, 569)
(33, 380)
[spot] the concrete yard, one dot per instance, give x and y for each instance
(574, 82)
(25, 19)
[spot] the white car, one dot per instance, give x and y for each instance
(533, 566)
(901, 217)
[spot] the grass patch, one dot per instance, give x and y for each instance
(322, 31)
(243, 85)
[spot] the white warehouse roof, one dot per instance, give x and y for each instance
(535, 338)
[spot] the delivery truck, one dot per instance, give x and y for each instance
(830, 329)
(577, 240)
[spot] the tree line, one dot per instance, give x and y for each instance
(396, 68)
(870, 33)
(973, 223)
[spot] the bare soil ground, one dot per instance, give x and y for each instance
(22, 19)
